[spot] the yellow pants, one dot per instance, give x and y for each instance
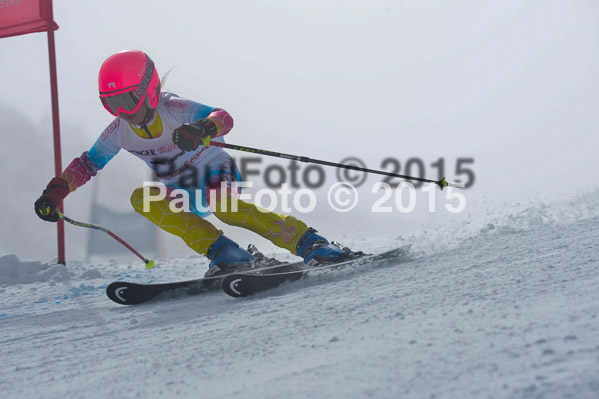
(199, 234)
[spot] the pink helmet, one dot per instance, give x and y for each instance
(125, 79)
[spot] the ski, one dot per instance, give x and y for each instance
(129, 293)
(244, 284)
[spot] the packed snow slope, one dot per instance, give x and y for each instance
(510, 311)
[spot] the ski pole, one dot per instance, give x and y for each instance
(441, 183)
(149, 262)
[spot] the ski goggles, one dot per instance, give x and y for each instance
(127, 103)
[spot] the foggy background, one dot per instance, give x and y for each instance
(513, 85)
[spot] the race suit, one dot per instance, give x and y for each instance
(197, 172)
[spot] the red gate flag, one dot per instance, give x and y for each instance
(19, 17)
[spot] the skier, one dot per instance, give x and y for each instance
(171, 135)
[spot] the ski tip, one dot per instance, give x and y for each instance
(231, 285)
(117, 292)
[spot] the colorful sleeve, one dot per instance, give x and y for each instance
(184, 110)
(223, 121)
(187, 111)
(82, 169)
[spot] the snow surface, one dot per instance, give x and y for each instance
(497, 307)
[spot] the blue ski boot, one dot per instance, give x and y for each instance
(226, 257)
(314, 247)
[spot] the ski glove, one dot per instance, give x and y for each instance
(51, 197)
(189, 136)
